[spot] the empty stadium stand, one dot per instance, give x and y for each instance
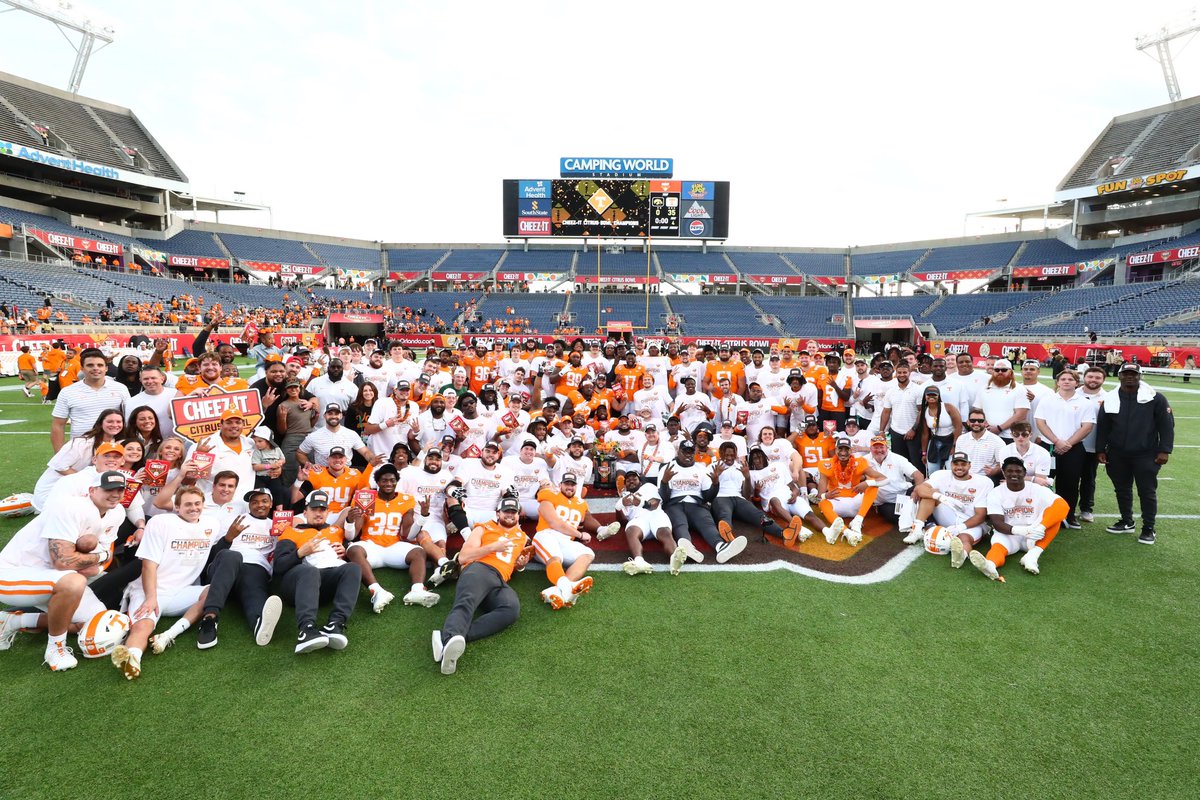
(824, 264)
(686, 263)
(263, 248)
(552, 261)
(416, 260)
(892, 262)
(188, 242)
(470, 261)
(763, 263)
(540, 309)
(805, 316)
(993, 255)
(346, 256)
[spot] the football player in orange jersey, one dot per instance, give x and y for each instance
(724, 367)
(210, 376)
(337, 479)
(813, 445)
(629, 375)
(479, 367)
(812, 371)
(490, 554)
(564, 529)
(835, 387)
(382, 543)
(847, 485)
(310, 566)
(568, 377)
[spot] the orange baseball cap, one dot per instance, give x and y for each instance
(233, 412)
(110, 447)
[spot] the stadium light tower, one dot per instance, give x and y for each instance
(1160, 42)
(68, 18)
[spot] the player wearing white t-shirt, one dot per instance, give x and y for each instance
(956, 499)
(484, 479)
(426, 483)
(528, 472)
(630, 442)
(173, 551)
(574, 461)
(1024, 516)
(779, 494)
(691, 406)
(1035, 457)
(50, 561)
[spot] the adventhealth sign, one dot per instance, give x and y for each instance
(574, 167)
(85, 167)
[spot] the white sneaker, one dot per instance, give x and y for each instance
(10, 626)
(160, 642)
(958, 553)
(853, 537)
(127, 661)
(1087, 516)
(610, 530)
(59, 657)
(730, 549)
(421, 597)
(678, 557)
(451, 652)
(637, 566)
(916, 535)
(577, 589)
(803, 535)
(834, 530)
(856, 525)
(437, 646)
(983, 565)
(25, 389)
(1030, 560)
(553, 597)
(380, 599)
(271, 612)
(690, 550)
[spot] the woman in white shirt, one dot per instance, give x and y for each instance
(940, 425)
(78, 453)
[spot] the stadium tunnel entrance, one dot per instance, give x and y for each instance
(875, 332)
(356, 327)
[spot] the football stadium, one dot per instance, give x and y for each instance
(607, 505)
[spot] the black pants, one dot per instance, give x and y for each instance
(480, 588)
(727, 509)
(228, 574)
(688, 517)
(1087, 485)
(1124, 471)
(910, 449)
(53, 388)
(839, 417)
(109, 587)
(1068, 473)
(306, 587)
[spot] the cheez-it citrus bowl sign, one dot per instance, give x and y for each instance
(197, 418)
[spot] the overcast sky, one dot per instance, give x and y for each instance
(855, 124)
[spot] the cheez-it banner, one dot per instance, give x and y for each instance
(197, 418)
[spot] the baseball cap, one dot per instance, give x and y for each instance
(686, 445)
(810, 420)
(529, 443)
(569, 477)
(795, 374)
(960, 456)
(405, 385)
(1130, 367)
(879, 440)
(434, 452)
(449, 437)
(509, 504)
(423, 378)
(233, 412)
(333, 407)
(109, 480)
(110, 447)
(263, 432)
(933, 390)
(1013, 461)
(727, 423)
(248, 496)
(490, 445)
(1031, 362)
(488, 387)
(842, 441)
(386, 469)
(851, 421)
(317, 499)
(576, 440)
(337, 451)
(774, 356)
(650, 426)
(1002, 363)
(688, 379)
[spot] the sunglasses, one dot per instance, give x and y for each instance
(1020, 435)
(977, 421)
(1001, 370)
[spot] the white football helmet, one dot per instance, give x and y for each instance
(937, 540)
(17, 505)
(102, 633)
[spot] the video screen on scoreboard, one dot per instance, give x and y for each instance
(614, 207)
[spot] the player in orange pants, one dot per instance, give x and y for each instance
(847, 485)
(1024, 516)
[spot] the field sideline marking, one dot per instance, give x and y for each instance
(887, 572)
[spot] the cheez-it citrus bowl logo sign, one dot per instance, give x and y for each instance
(197, 418)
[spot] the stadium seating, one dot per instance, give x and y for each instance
(131, 133)
(971, 256)
(627, 263)
(188, 242)
(806, 316)
(618, 307)
(822, 264)
(718, 315)
(346, 256)
(77, 292)
(539, 261)
(470, 261)
(959, 311)
(761, 264)
(1047, 252)
(1049, 304)
(894, 262)
(693, 263)
(413, 260)
(436, 304)
(262, 248)
(539, 309)
(1113, 142)
(16, 217)
(912, 306)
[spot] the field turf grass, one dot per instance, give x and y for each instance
(1079, 682)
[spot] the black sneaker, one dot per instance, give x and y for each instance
(1122, 526)
(206, 632)
(1072, 524)
(310, 639)
(1147, 536)
(335, 633)
(445, 571)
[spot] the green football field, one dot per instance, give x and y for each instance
(1079, 682)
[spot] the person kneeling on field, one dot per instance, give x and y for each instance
(733, 487)
(383, 543)
(562, 538)
(1024, 516)
(173, 551)
(687, 488)
(847, 485)
(641, 508)
(240, 564)
(956, 498)
(310, 568)
(490, 554)
(780, 495)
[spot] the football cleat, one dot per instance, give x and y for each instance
(125, 660)
(380, 598)
(421, 597)
(437, 646)
(578, 588)
(726, 530)
(445, 571)
(853, 537)
(310, 639)
(265, 628)
(160, 642)
(690, 550)
(510, 492)
(59, 657)
(459, 492)
(677, 558)
(983, 565)
(609, 530)
(1030, 560)
(856, 526)
(554, 598)
(728, 550)
(637, 566)
(958, 552)
(335, 633)
(916, 535)
(792, 532)
(10, 626)
(451, 652)
(834, 530)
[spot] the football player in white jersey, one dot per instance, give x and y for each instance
(1024, 516)
(956, 499)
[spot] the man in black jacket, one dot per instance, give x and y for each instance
(1135, 433)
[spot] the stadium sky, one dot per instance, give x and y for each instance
(398, 120)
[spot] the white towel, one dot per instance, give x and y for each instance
(1112, 398)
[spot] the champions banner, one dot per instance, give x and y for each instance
(64, 240)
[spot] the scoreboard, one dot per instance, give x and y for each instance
(612, 207)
